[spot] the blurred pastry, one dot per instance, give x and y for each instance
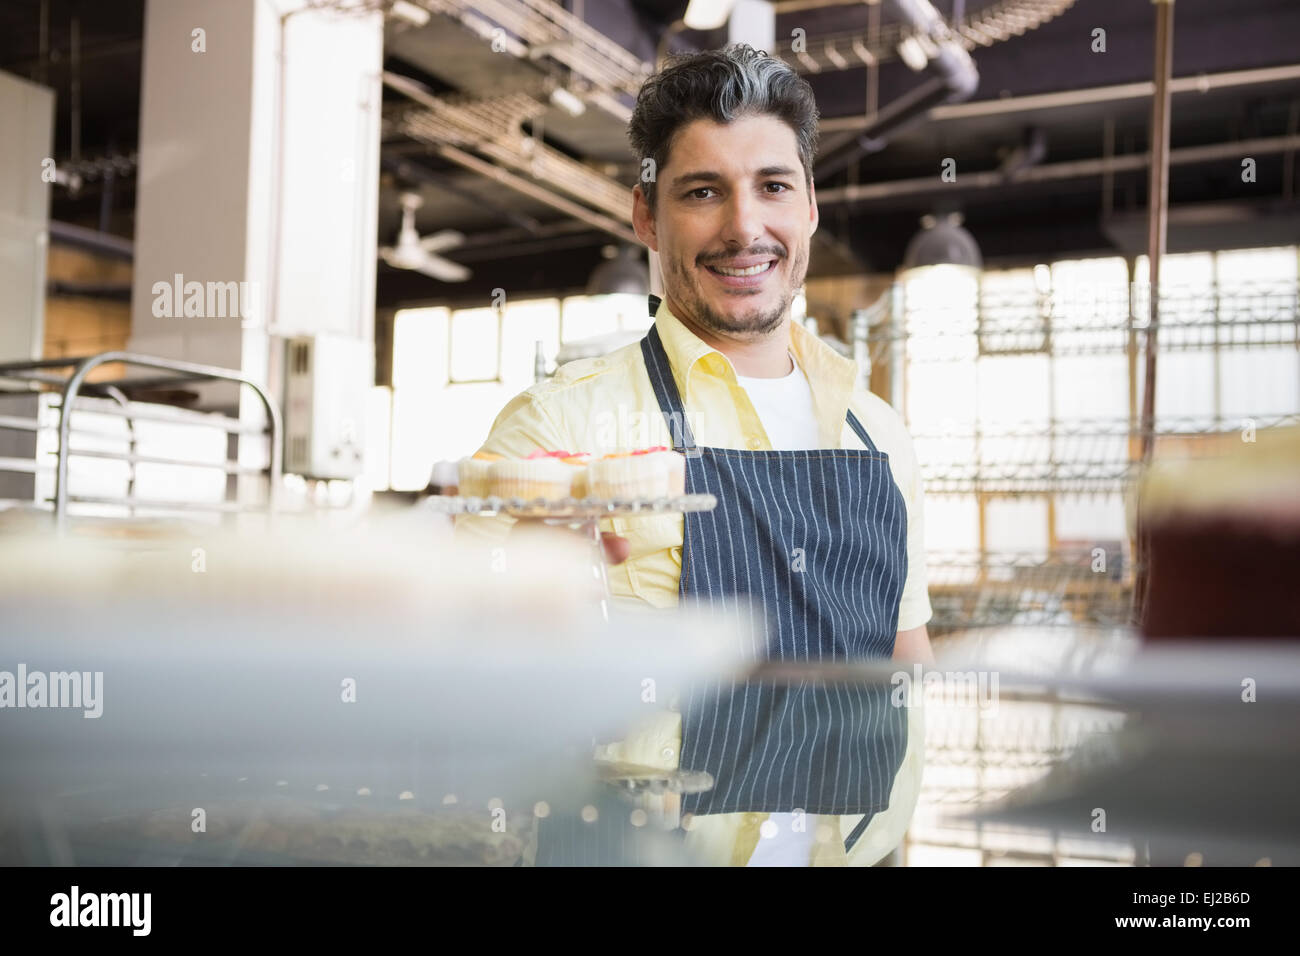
(474, 473)
(657, 472)
(578, 461)
(542, 477)
(1221, 536)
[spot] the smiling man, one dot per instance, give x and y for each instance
(818, 523)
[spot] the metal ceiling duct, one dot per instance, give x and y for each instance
(533, 29)
(852, 50)
(493, 128)
(940, 52)
(485, 132)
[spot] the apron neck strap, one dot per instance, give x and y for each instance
(861, 432)
(660, 371)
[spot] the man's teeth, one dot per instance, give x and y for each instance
(751, 271)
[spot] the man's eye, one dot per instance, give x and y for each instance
(695, 193)
(781, 187)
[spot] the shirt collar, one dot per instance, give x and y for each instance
(830, 375)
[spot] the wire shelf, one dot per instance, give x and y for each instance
(1066, 587)
(1238, 316)
(1080, 457)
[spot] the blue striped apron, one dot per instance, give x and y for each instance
(816, 541)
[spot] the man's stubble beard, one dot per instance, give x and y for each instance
(756, 326)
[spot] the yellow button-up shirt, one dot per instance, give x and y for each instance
(606, 404)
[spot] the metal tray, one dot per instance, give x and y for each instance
(575, 508)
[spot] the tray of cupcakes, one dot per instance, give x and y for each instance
(573, 485)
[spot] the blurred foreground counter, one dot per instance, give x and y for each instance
(367, 695)
(1186, 749)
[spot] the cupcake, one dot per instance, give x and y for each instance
(545, 477)
(473, 473)
(673, 463)
(578, 461)
(656, 472)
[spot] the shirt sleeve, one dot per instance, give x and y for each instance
(914, 606)
(521, 427)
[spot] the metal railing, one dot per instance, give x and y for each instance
(45, 372)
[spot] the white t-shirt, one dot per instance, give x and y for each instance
(785, 408)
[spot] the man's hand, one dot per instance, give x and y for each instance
(617, 548)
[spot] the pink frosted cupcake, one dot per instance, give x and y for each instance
(546, 478)
(657, 472)
(577, 460)
(543, 474)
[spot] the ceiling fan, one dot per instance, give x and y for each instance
(421, 253)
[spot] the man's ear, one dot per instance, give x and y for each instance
(643, 219)
(812, 206)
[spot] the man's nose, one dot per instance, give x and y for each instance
(744, 222)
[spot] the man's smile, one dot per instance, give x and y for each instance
(743, 273)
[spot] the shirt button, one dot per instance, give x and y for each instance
(667, 752)
(754, 441)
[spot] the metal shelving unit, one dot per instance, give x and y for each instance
(77, 395)
(1055, 453)
(976, 589)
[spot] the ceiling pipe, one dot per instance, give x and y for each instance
(518, 183)
(1100, 94)
(1075, 169)
(493, 127)
(1031, 151)
(513, 248)
(65, 233)
(532, 190)
(410, 172)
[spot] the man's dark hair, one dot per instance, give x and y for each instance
(722, 85)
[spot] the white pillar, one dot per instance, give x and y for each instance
(259, 159)
(26, 170)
